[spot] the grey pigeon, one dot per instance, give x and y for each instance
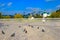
(13, 35)
(3, 32)
(43, 30)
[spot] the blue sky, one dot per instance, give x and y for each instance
(13, 6)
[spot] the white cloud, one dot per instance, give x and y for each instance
(49, 10)
(58, 6)
(49, 0)
(31, 8)
(9, 4)
(2, 4)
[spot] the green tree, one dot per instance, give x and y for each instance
(18, 16)
(6, 17)
(58, 11)
(55, 14)
(37, 16)
(29, 16)
(0, 15)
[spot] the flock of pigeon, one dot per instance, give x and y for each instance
(12, 35)
(29, 31)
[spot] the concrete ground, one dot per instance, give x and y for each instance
(17, 30)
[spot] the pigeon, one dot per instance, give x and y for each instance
(32, 26)
(3, 32)
(43, 30)
(19, 26)
(25, 30)
(37, 27)
(29, 25)
(13, 35)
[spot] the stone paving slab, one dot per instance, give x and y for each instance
(13, 30)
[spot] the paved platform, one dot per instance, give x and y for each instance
(17, 30)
